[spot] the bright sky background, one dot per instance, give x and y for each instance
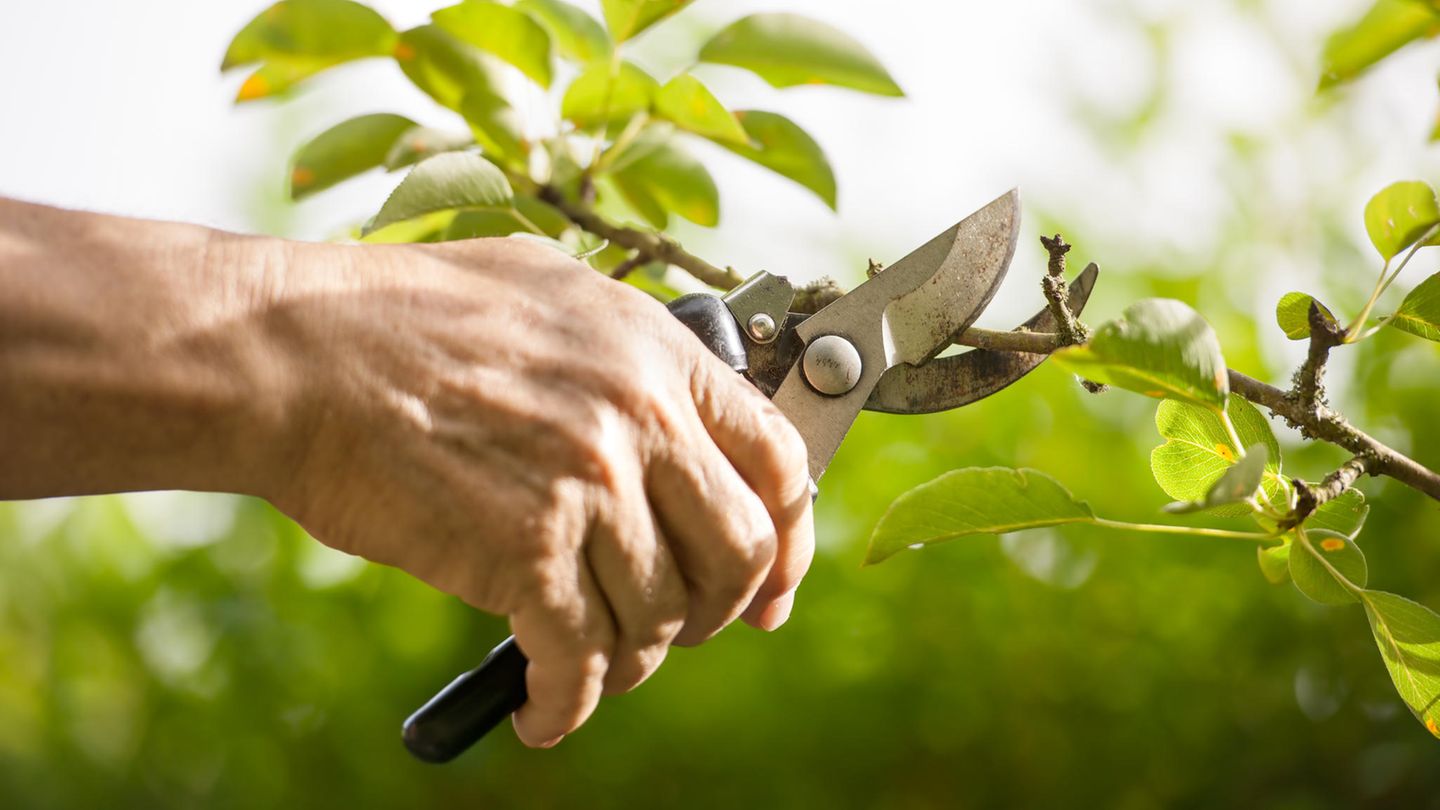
(119, 107)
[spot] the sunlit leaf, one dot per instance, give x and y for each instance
(601, 94)
(1234, 487)
(976, 500)
(1408, 635)
(665, 173)
(503, 31)
(1388, 26)
(1321, 564)
(1419, 313)
(478, 224)
(345, 150)
(1292, 313)
(425, 228)
(788, 49)
(320, 31)
(295, 39)
(577, 35)
(1197, 450)
(495, 125)
(1344, 514)
(626, 18)
(1160, 348)
(451, 180)
(418, 143)
(1275, 562)
(442, 66)
(1400, 215)
(779, 144)
(686, 102)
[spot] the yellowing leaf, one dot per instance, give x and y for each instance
(442, 66)
(345, 150)
(503, 31)
(990, 500)
(452, 180)
(1400, 215)
(295, 39)
(1159, 347)
(788, 50)
(686, 102)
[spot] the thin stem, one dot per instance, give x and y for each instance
(1352, 334)
(524, 220)
(1196, 531)
(1233, 434)
(1369, 305)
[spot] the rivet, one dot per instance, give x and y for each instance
(831, 365)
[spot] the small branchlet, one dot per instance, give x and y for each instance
(637, 260)
(1308, 384)
(1069, 330)
(1309, 498)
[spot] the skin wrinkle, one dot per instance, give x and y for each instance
(490, 416)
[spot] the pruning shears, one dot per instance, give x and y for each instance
(875, 348)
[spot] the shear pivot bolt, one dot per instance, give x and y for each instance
(831, 365)
(762, 327)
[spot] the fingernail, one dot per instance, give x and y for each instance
(552, 743)
(778, 612)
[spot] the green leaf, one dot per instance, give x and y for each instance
(1322, 562)
(1160, 348)
(324, 32)
(1408, 635)
(495, 125)
(1419, 313)
(1400, 215)
(451, 180)
(1388, 26)
(345, 150)
(668, 175)
(501, 30)
(686, 102)
(1344, 514)
(599, 97)
(295, 39)
(577, 36)
(1274, 563)
(442, 66)
(1197, 452)
(478, 224)
(788, 49)
(976, 500)
(427, 228)
(780, 145)
(418, 143)
(1234, 486)
(626, 18)
(1292, 312)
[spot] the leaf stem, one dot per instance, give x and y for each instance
(1197, 531)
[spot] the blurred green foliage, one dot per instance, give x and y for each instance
(178, 650)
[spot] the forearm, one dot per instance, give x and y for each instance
(135, 355)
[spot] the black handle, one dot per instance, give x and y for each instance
(463, 712)
(478, 701)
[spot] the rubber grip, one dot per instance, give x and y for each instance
(466, 710)
(478, 701)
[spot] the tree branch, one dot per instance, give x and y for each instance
(657, 246)
(1322, 423)
(1057, 293)
(1309, 498)
(1309, 381)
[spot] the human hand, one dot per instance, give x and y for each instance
(545, 443)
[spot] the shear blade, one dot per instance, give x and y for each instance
(951, 382)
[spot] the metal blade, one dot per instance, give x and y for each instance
(906, 314)
(957, 380)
